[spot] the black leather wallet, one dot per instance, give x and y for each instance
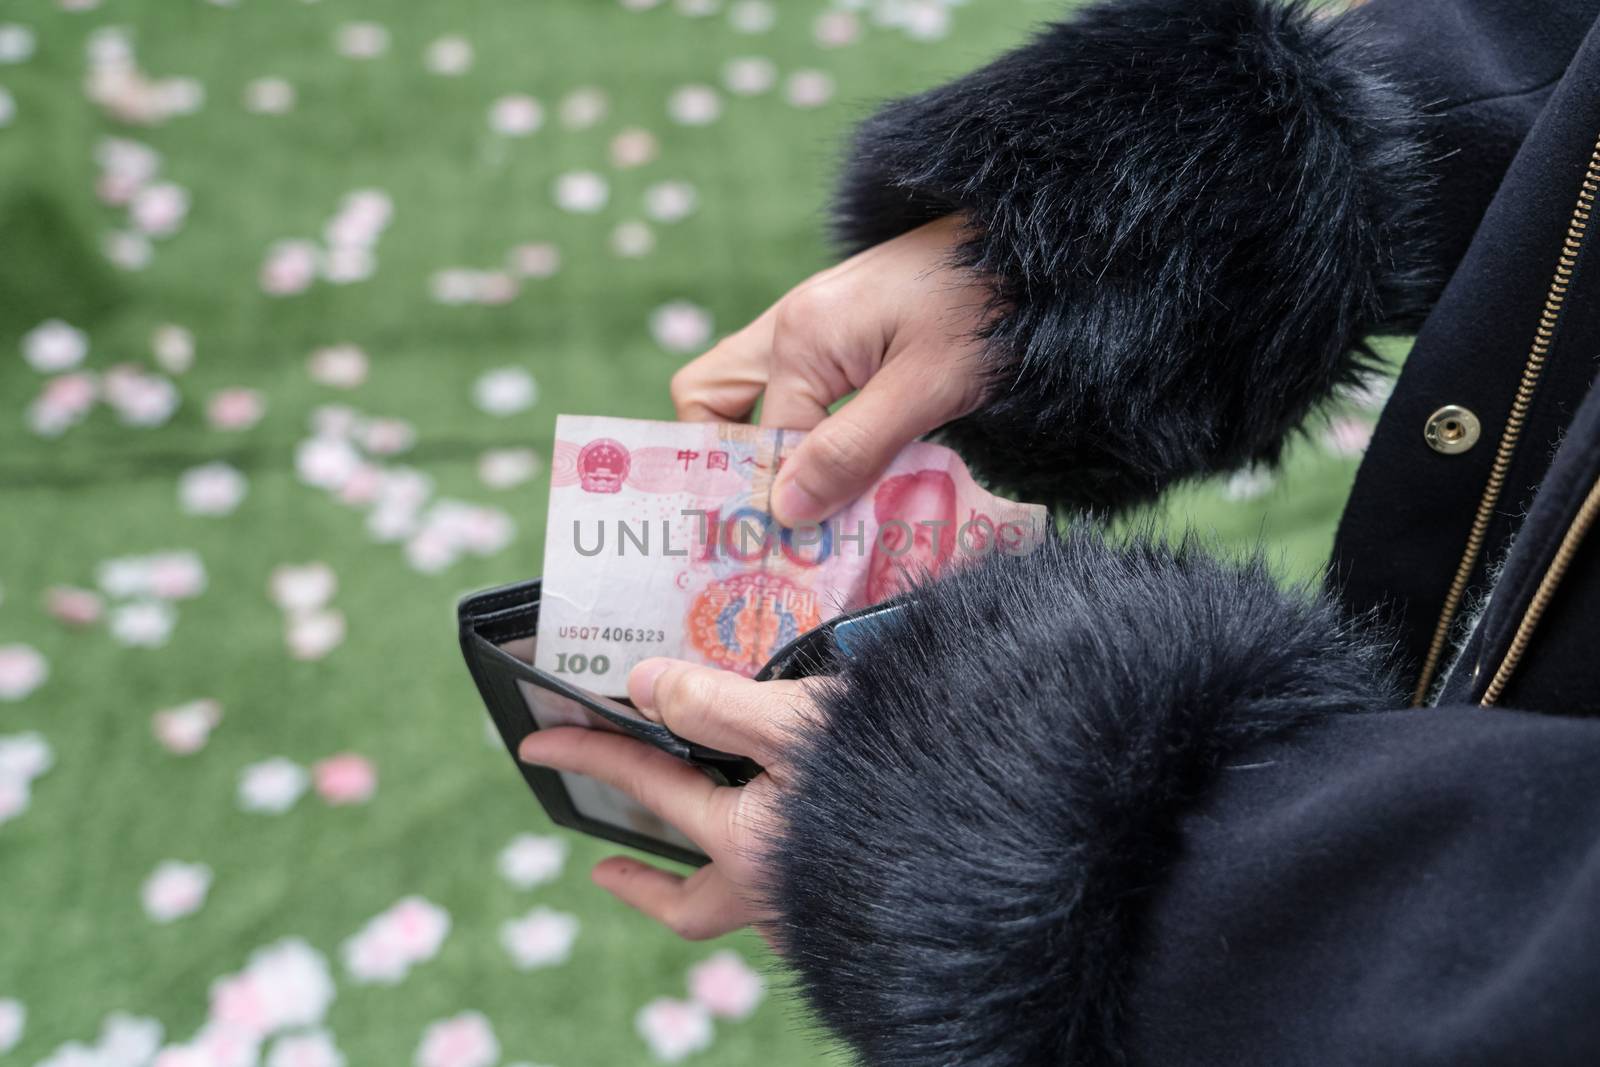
(498, 630)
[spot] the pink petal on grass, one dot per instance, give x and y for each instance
(314, 635)
(302, 588)
(175, 890)
(73, 606)
(184, 730)
(338, 366)
(345, 779)
(674, 1028)
(22, 670)
(464, 1040)
(726, 986)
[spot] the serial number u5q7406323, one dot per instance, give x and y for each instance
(624, 634)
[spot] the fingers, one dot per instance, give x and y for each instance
(703, 905)
(825, 342)
(720, 709)
(840, 458)
(723, 384)
(668, 787)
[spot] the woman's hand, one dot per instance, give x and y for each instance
(896, 322)
(718, 709)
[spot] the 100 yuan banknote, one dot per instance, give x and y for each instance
(660, 542)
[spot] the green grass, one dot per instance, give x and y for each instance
(74, 942)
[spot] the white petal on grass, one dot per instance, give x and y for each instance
(131, 160)
(347, 264)
(16, 43)
(633, 147)
(176, 575)
(516, 115)
(338, 366)
(185, 729)
(538, 259)
(387, 437)
(54, 346)
(290, 267)
(583, 108)
(1249, 483)
(173, 347)
(395, 940)
(311, 1048)
(127, 250)
(326, 462)
(753, 16)
(926, 20)
(448, 56)
(362, 40)
(749, 75)
(541, 938)
(25, 756)
(726, 986)
(835, 29)
(506, 468)
(454, 286)
(174, 890)
(670, 201)
(272, 786)
(180, 96)
(465, 1040)
(128, 1040)
(674, 1029)
(681, 326)
(694, 105)
(303, 587)
(1347, 437)
(269, 96)
(235, 409)
(313, 635)
(286, 985)
(633, 239)
(532, 860)
(505, 391)
(213, 489)
(143, 623)
(140, 398)
(809, 88)
(13, 1023)
(582, 192)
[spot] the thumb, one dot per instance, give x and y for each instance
(847, 451)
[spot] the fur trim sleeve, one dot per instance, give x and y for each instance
(1192, 211)
(970, 828)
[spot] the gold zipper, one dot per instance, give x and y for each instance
(1542, 595)
(1543, 335)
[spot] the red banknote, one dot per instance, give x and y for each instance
(660, 542)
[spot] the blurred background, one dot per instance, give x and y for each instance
(290, 295)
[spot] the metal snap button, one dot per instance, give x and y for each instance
(1451, 429)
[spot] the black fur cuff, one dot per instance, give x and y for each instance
(1193, 211)
(997, 781)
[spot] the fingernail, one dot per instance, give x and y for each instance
(793, 504)
(642, 683)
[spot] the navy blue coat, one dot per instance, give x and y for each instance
(1118, 803)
